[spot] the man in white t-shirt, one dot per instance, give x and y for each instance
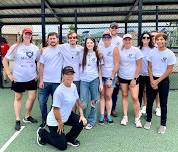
(71, 54)
(117, 41)
(51, 62)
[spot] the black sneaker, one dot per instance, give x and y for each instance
(17, 125)
(38, 137)
(30, 119)
(101, 122)
(43, 124)
(74, 143)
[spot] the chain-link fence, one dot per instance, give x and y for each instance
(96, 30)
(11, 33)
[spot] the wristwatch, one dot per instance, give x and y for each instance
(135, 79)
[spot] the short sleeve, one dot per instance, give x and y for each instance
(11, 52)
(172, 59)
(57, 98)
(76, 92)
(139, 54)
(81, 57)
(42, 56)
(38, 54)
(149, 57)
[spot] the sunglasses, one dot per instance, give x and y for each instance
(106, 37)
(72, 37)
(114, 27)
(145, 37)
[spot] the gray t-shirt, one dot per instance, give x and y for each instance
(64, 98)
(53, 62)
(24, 56)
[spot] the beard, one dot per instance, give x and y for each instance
(53, 44)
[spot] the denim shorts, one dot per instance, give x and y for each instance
(105, 80)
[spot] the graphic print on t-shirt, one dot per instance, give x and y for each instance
(164, 59)
(29, 54)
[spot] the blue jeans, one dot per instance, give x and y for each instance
(91, 87)
(43, 95)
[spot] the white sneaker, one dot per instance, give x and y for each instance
(147, 125)
(138, 123)
(88, 126)
(143, 111)
(124, 120)
(140, 114)
(158, 112)
(162, 129)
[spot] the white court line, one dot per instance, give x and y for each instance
(3, 148)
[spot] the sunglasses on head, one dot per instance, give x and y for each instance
(72, 37)
(146, 37)
(114, 27)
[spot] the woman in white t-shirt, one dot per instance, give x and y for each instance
(110, 67)
(90, 79)
(146, 46)
(160, 65)
(129, 70)
(24, 75)
(64, 98)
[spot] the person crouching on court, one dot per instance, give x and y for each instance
(64, 98)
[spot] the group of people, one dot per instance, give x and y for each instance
(78, 77)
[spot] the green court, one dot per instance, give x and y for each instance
(107, 138)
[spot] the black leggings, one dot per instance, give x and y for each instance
(143, 83)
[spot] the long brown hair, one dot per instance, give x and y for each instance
(86, 53)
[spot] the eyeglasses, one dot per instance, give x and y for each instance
(146, 37)
(114, 27)
(72, 37)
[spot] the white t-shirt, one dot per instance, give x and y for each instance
(90, 70)
(146, 51)
(64, 98)
(116, 41)
(24, 56)
(160, 61)
(127, 64)
(53, 62)
(72, 58)
(108, 60)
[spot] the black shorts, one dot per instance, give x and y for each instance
(23, 86)
(127, 81)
